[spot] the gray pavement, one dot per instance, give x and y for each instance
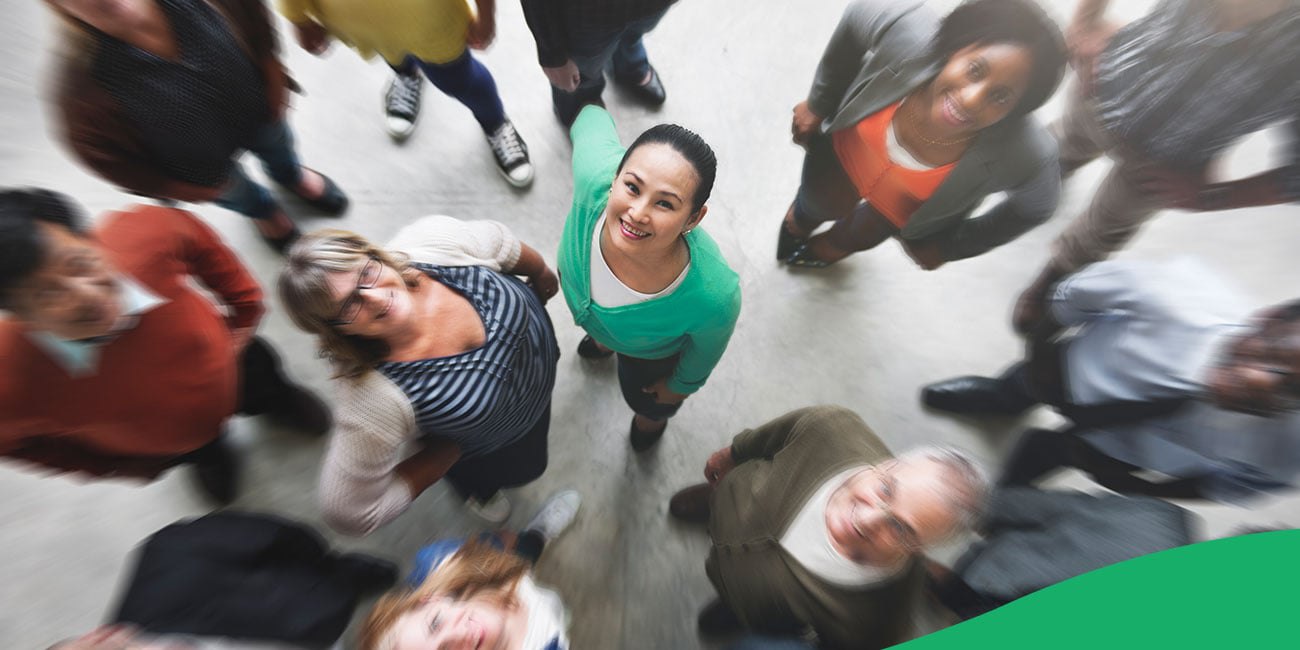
(865, 334)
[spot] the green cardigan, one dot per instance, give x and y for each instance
(695, 320)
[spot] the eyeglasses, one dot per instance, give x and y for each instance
(882, 498)
(366, 279)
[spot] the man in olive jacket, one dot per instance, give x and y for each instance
(817, 528)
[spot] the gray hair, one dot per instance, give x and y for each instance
(966, 481)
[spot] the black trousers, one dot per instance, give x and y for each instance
(261, 383)
(519, 463)
(635, 375)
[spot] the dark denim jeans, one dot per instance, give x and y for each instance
(273, 145)
(593, 51)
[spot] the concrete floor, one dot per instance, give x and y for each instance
(865, 334)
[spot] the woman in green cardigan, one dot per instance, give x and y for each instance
(638, 273)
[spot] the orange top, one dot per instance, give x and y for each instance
(890, 188)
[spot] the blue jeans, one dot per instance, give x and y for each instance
(593, 51)
(467, 81)
(273, 145)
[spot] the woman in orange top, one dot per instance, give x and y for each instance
(923, 118)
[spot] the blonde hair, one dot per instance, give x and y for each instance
(305, 292)
(476, 570)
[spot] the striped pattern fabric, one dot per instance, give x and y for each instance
(489, 397)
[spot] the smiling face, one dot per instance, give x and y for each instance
(448, 624)
(372, 300)
(650, 202)
(883, 514)
(978, 87)
(73, 294)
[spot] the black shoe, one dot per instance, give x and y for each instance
(717, 620)
(367, 574)
(588, 349)
(643, 440)
(300, 409)
(787, 243)
(650, 93)
(692, 504)
(332, 201)
(973, 395)
(281, 244)
(216, 470)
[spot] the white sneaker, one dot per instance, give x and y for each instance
(556, 515)
(402, 104)
(512, 155)
(496, 510)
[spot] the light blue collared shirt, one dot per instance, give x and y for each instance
(81, 358)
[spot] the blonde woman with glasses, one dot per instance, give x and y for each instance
(445, 363)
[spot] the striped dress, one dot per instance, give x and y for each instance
(489, 397)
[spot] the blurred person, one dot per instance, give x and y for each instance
(1128, 339)
(639, 274)
(769, 643)
(162, 97)
(433, 36)
(444, 364)
(578, 39)
(1032, 539)
(202, 584)
(817, 527)
(1164, 97)
(478, 594)
(913, 119)
(115, 366)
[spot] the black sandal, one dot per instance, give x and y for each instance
(804, 257)
(787, 243)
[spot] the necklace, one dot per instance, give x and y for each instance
(914, 119)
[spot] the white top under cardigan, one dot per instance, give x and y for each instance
(374, 424)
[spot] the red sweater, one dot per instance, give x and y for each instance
(164, 387)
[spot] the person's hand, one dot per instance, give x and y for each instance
(926, 255)
(565, 77)
(113, 637)
(719, 464)
(1172, 188)
(482, 31)
(312, 36)
(240, 337)
(1030, 309)
(1084, 44)
(805, 124)
(545, 284)
(663, 394)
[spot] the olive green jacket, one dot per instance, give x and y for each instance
(779, 467)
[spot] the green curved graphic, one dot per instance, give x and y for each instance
(1239, 592)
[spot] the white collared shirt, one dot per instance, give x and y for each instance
(81, 358)
(808, 541)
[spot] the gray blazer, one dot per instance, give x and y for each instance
(878, 54)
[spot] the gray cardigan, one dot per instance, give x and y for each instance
(878, 54)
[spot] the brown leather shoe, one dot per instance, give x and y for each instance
(692, 504)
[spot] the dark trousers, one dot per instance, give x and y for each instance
(261, 384)
(635, 375)
(521, 462)
(1040, 451)
(592, 50)
(827, 194)
(468, 82)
